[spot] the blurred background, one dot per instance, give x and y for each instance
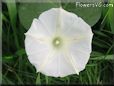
(17, 17)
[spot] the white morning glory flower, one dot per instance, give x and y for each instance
(58, 43)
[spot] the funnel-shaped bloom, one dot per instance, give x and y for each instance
(58, 43)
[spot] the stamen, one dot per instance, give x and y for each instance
(57, 42)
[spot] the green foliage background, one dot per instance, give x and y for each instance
(16, 69)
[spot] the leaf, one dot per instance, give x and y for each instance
(108, 57)
(47, 80)
(91, 15)
(99, 44)
(20, 52)
(90, 65)
(6, 80)
(38, 80)
(0, 77)
(0, 24)
(111, 16)
(7, 59)
(28, 11)
(3, 17)
(12, 10)
(95, 53)
(19, 78)
(100, 33)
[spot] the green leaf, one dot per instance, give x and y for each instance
(8, 57)
(19, 78)
(47, 80)
(90, 65)
(100, 33)
(0, 24)
(29, 11)
(95, 53)
(6, 80)
(108, 57)
(20, 52)
(111, 16)
(91, 15)
(99, 44)
(12, 10)
(38, 80)
(4, 17)
(0, 77)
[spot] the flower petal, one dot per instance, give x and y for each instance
(51, 19)
(37, 59)
(37, 29)
(72, 25)
(58, 66)
(35, 46)
(80, 52)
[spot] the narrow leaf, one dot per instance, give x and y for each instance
(111, 16)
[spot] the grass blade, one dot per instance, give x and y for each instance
(108, 57)
(111, 16)
(13, 18)
(38, 81)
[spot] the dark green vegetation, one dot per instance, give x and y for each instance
(17, 17)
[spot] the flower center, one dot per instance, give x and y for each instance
(57, 42)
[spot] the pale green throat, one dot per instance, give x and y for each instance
(57, 42)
